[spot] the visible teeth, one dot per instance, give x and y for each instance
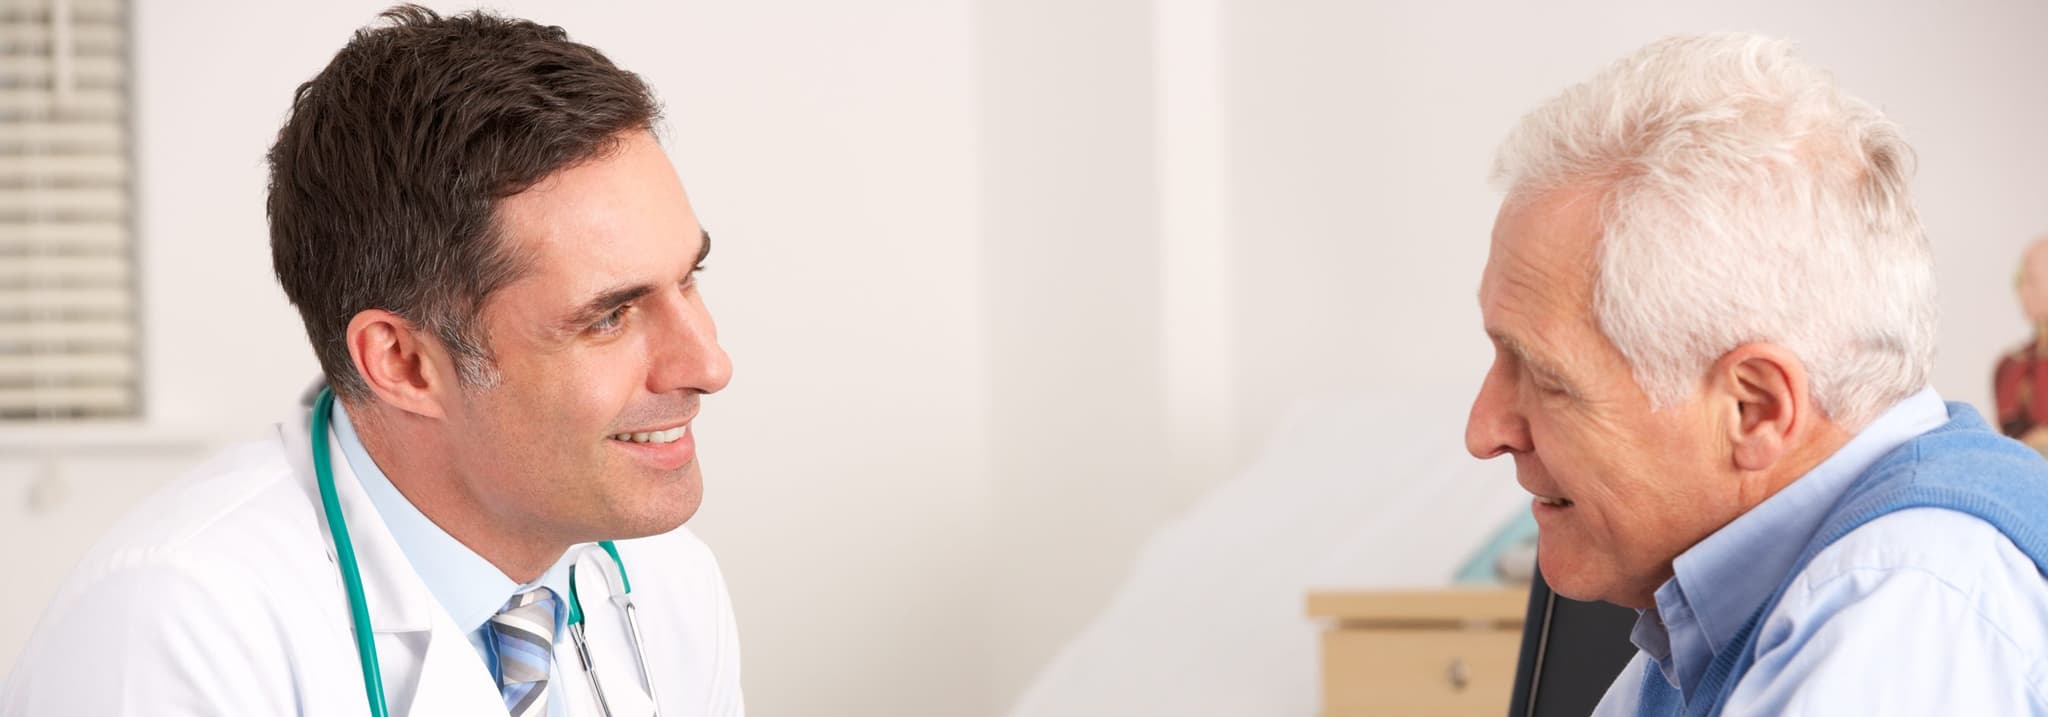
(668, 436)
(1546, 500)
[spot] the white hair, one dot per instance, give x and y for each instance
(1745, 199)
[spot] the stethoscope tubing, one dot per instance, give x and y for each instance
(345, 555)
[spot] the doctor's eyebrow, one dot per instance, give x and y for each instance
(607, 300)
(604, 303)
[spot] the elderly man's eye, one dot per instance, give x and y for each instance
(1547, 384)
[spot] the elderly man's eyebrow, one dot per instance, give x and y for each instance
(703, 250)
(1522, 354)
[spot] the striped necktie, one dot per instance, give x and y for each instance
(524, 635)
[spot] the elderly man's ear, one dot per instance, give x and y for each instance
(1762, 388)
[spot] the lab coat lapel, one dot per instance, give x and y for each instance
(452, 679)
(429, 666)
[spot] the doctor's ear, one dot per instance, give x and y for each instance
(1764, 387)
(403, 364)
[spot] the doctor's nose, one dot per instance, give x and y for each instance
(690, 359)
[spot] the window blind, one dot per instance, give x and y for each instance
(68, 337)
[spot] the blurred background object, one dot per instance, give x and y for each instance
(1021, 297)
(2016, 382)
(1349, 498)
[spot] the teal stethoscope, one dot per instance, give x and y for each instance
(359, 611)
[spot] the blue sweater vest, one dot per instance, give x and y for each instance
(1961, 466)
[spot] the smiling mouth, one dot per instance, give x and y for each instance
(1554, 502)
(663, 436)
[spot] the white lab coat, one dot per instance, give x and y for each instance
(220, 595)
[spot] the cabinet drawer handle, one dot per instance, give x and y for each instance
(1460, 675)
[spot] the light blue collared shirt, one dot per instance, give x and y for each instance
(1881, 622)
(469, 587)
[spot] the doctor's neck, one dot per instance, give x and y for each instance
(419, 458)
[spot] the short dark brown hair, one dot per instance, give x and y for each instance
(385, 178)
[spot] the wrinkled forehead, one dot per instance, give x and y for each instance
(621, 218)
(1543, 252)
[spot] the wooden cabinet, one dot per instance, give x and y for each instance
(1443, 653)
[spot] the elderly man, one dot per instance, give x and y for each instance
(1713, 314)
(495, 263)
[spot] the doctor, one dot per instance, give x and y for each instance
(496, 265)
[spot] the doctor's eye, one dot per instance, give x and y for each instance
(612, 321)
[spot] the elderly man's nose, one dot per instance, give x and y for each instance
(1493, 428)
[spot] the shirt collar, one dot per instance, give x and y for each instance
(466, 585)
(1719, 582)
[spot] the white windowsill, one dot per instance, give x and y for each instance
(22, 440)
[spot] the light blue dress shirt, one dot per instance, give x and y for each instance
(469, 587)
(1923, 611)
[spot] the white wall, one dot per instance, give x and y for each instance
(1072, 261)
(961, 261)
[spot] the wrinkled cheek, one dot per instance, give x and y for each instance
(1579, 536)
